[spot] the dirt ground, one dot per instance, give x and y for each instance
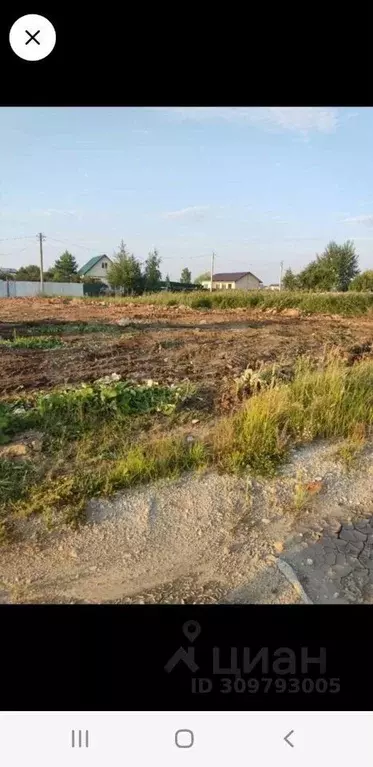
(196, 540)
(166, 344)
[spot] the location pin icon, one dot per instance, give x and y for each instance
(191, 629)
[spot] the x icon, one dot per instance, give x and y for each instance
(32, 37)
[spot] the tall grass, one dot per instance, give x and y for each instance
(328, 401)
(348, 304)
(324, 400)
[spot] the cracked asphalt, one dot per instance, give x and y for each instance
(339, 567)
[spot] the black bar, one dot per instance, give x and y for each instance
(123, 658)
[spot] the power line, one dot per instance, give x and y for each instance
(27, 237)
(67, 242)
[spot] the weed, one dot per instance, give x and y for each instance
(101, 450)
(32, 342)
(76, 410)
(301, 495)
(347, 304)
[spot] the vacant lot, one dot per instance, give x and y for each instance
(96, 397)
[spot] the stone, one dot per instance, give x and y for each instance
(278, 546)
(309, 561)
(16, 450)
(351, 535)
(124, 321)
(291, 313)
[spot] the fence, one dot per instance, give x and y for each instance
(13, 289)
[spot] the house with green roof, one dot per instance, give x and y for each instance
(96, 267)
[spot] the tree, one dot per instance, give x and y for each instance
(205, 277)
(186, 276)
(152, 274)
(333, 270)
(48, 275)
(65, 268)
(319, 275)
(29, 273)
(344, 260)
(125, 272)
(363, 281)
(290, 280)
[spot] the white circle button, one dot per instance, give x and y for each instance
(32, 37)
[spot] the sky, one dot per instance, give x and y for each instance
(256, 185)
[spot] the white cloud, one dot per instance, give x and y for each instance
(297, 119)
(193, 213)
(367, 220)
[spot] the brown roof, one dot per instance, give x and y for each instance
(231, 276)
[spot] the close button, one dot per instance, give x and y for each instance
(32, 37)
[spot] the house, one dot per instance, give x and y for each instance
(274, 286)
(96, 267)
(234, 281)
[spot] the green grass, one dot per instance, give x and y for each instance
(32, 342)
(327, 400)
(72, 411)
(347, 304)
(69, 328)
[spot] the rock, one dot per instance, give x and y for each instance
(309, 561)
(265, 521)
(278, 546)
(291, 313)
(195, 420)
(314, 487)
(15, 450)
(124, 321)
(203, 322)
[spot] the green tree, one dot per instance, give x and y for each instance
(186, 276)
(363, 281)
(48, 275)
(205, 277)
(344, 260)
(65, 268)
(152, 274)
(29, 273)
(319, 275)
(333, 270)
(290, 280)
(125, 272)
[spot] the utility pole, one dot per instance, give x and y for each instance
(212, 269)
(41, 238)
(281, 270)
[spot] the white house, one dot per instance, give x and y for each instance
(234, 281)
(96, 267)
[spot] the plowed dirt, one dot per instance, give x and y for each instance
(166, 344)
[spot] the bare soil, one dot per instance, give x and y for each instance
(166, 344)
(205, 539)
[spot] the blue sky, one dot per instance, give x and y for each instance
(255, 184)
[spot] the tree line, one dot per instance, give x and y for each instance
(126, 273)
(336, 269)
